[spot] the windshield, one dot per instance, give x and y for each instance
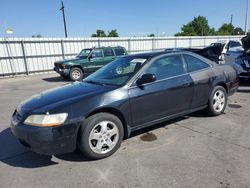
(220, 44)
(84, 53)
(117, 72)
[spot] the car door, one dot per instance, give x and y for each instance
(95, 61)
(202, 77)
(170, 94)
(108, 55)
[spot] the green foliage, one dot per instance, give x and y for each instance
(37, 36)
(226, 29)
(113, 33)
(197, 27)
(151, 35)
(101, 33)
(239, 31)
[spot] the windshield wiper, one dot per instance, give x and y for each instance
(93, 82)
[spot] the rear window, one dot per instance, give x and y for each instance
(119, 51)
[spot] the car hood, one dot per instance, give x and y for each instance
(59, 94)
(69, 60)
(246, 42)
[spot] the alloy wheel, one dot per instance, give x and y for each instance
(103, 137)
(219, 101)
(76, 74)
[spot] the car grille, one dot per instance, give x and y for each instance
(58, 65)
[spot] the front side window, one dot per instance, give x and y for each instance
(84, 53)
(108, 52)
(166, 67)
(96, 53)
(194, 63)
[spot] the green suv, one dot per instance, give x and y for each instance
(87, 61)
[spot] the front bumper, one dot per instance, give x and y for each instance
(47, 140)
(63, 72)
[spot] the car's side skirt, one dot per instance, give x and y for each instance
(167, 118)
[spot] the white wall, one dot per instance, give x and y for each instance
(41, 53)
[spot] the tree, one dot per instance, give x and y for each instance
(238, 31)
(197, 27)
(37, 36)
(151, 35)
(113, 33)
(99, 33)
(226, 29)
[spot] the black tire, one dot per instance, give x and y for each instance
(76, 74)
(85, 144)
(211, 109)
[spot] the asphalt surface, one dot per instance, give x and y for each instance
(191, 151)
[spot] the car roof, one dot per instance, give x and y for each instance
(147, 55)
(103, 47)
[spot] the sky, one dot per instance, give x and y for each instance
(129, 17)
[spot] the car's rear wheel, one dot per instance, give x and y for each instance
(217, 101)
(100, 136)
(76, 74)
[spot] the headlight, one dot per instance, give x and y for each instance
(47, 120)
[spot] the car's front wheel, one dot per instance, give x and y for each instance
(100, 136)
(76, 74)
(217, 101)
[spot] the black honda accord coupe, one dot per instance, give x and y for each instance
(128, 94)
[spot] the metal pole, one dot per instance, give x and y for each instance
(9, 53)
(24, 58)
(62, 48)
(246, 19)
(64, 21)
(129, 45)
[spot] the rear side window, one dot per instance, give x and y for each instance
(108, 52)
(194, 63)
(119, 51)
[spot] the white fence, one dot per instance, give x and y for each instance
(29, 55)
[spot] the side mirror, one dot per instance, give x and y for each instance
(145, 78)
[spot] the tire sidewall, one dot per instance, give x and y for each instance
(210, 105)
(72, 70)
(86, 128)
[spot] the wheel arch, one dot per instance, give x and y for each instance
(222, 84)
(77, 66)
(116, 113)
